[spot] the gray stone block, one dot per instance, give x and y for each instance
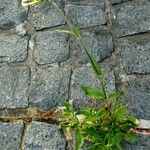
(51, 47)
(11, 13)
(86, 15)
(100, 43)
(131, 18)
(142, 144)
(10, 135)
(43, 136)
(13, 48)
(138, 95)
(85, 76)
(136, 54)
(118, 1)
(45, 15)
(49, 87)
(14, 87)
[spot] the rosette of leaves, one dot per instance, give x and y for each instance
(106, 126)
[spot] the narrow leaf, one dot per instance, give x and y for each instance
(78, 139)
(95, 66)
(68, 107)
(114, 96)
(92, 92)
(131, 137)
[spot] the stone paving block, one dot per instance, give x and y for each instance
(14, 87)
(99, 42)
(142, 144)
(43, 136)
(11, 13)
(86, 15)
(13, 48)
(136, 54)
(131, 18)
(49, 87)
(85, 76)
(138, 95)
(51, 47)
(45, 15)
(118, 1)
(10, 135)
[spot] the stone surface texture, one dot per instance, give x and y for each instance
(43, 136)
(138, 95)
(136, 55)
(41, 66)
(14, 87)
(13, 48)
(10, 135)
(51, 47)
(45, 15)
(99, 42)
(11, 13)
(86, 15)
(49, 87)
(132, 18)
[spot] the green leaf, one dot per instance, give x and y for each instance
(77, 32)
(113, 138)
(130, 137)
(119, 146)
(132, 119)
(92, 92)
(96, 67)
(85, 111)
(79, 139)
(94, 135)
(120, 113)
(114, 96)
(68, 107)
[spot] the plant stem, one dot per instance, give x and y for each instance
(81, 42)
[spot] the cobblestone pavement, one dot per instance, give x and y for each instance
(40, 67)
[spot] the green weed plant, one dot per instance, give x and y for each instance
(105, 126)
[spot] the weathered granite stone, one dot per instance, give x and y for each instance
(86, 15)
(10, 135)
(131, 18)
(11, 13)
(51, 47)
(45, 15)
(138, 95)
(136, 54)
(14, 87)
(49, 87)
(142, 144)
(43, 136)
(89, 2)
(118, 1)
(99, 42)
(85, 76)
(13, 48)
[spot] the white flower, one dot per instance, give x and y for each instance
(80, 118)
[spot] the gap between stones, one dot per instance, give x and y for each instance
(54, 116)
